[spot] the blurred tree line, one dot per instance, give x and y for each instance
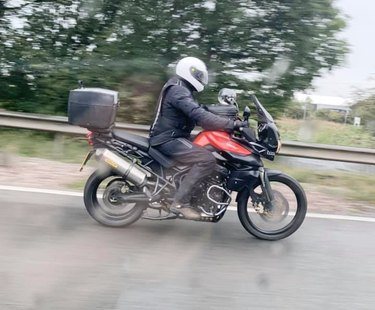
(269, 47)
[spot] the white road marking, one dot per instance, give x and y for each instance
(331, 216)
(341, 217)
(40, 190)
(80, 194)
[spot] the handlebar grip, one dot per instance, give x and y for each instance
(238, 124)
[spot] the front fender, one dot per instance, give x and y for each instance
(252, 180)
(271, 172)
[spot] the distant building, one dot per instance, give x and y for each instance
(324, 102)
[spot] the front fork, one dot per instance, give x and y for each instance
(266, 189)
(265, 184)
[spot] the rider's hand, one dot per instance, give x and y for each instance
(203, 106)
(240, 124)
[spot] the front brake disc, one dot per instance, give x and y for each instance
(278, 210)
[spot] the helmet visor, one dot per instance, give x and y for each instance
(201, 76)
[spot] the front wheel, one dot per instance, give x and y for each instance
(101, 199)
(285, 215)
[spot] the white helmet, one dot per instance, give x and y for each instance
(194, 71)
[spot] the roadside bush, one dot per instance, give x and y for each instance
(296, 110)
(328, 115)
(370, 126)
(365, 109)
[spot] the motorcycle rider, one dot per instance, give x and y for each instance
(177, 114)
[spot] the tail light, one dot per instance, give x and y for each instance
(90, 136)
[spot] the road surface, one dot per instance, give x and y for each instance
(53, 256)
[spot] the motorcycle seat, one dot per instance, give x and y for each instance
(143, 144)
(165, 161)
(135, 140)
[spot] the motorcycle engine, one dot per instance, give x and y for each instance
(210, 196)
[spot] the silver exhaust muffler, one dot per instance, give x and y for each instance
(123, 166)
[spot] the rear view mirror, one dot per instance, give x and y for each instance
(246, 113)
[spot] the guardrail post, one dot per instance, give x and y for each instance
(58, 145)
(4, 159)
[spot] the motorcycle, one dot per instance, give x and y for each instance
(136, 181)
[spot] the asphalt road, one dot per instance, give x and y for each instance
(53, 256)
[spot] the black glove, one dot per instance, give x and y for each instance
(203, 106)
(239, 124)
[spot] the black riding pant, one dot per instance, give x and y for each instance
(202, 164)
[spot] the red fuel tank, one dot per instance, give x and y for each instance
(221, 141)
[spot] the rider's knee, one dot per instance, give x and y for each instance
(208, 159)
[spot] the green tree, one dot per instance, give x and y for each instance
(124, 44)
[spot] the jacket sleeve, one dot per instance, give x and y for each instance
(184, 101)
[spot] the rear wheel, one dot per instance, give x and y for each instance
(102, 203)
(278, 220)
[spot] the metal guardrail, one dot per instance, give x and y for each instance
(59, 124)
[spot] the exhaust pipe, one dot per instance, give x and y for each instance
(123, 166)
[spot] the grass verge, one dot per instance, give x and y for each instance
(349, 185)
(325, 132)
(43, 145)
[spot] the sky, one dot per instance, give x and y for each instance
(358, 71)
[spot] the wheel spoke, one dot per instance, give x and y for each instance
(273, 217)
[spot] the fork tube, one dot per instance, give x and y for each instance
(265, 184)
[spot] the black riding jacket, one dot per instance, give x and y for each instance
(177, 114)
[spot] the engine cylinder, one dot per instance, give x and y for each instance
(124, 167)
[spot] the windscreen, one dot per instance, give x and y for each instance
(263, 115)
